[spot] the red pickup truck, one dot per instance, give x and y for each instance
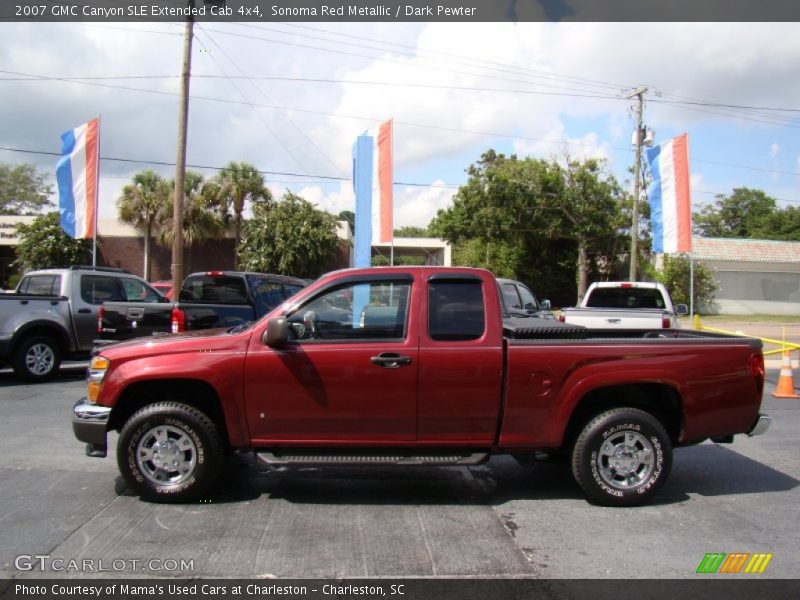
(416, 366)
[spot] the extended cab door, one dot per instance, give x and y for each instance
(349, 371)
(461, 360)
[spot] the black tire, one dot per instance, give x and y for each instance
(37, 358)
(622, 457)
(169, 452)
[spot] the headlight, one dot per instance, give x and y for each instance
(94, 377)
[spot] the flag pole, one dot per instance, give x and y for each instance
(96, 196)
(391, 129)
(691, 286)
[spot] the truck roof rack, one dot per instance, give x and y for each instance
(94, 268)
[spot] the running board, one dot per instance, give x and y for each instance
(272, 459)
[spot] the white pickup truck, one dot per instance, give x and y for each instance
(625, 305)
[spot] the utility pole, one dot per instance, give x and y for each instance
(180, 160)
(639, 93)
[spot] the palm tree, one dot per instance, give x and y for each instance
(199, 220)
(239, 183)
(144, 203)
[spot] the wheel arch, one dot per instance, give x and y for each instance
(191, 392)
(661, 400)
(47, 328)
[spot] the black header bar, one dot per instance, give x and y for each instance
(401, 11)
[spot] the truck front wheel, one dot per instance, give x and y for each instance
(622, 457)
(169, 452)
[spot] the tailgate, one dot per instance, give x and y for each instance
(616, 318)
(128, 320)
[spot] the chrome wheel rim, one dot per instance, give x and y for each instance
(166, 455)
(40, 359)
(625, 460)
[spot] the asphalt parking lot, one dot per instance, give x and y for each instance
(495, 520)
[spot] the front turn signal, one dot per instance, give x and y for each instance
(94, 377)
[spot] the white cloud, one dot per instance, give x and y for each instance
(332, 201)
(749, 63)
(416, 206)
(556, 144)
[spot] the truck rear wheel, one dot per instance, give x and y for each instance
(37, 358)
(622, 457)
(169, 452)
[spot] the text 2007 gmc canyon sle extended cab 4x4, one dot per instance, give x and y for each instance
(415, 366)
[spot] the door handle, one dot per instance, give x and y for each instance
(84, 311)
(390, 360)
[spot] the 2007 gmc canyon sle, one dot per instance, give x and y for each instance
(415, 366)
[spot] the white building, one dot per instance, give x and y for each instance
(753, 276)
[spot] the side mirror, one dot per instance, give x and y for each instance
(681, 309)
(277, 332)
(545, 304)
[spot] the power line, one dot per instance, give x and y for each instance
(410, 84)
(268, 99)
(416, 52)
(363, 118)
(724, 110)
(310, 178)
(260, 118)
(162, 163)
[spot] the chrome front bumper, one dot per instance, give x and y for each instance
(89, 422)
(761, 425)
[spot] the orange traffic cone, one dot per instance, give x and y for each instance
(785, 387)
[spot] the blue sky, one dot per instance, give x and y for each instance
(291, 98)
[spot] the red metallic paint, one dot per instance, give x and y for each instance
(450, 395)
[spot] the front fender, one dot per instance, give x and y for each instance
(221, 370)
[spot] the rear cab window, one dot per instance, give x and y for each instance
(456, 309)
(40, 285)
(214, 289)
(625, 298)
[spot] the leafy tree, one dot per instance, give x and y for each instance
(746, 213)
(240, 183)
(676, 274)
(23, 190)
(350, 217)
(291, 238)
(533, 203)
(145, 204)
(411, 231)
(501, 257)
(200, 222)
(44, 244)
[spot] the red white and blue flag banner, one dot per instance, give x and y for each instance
(670, 201)
(372, 182)
(76, 174)
(382, 199)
